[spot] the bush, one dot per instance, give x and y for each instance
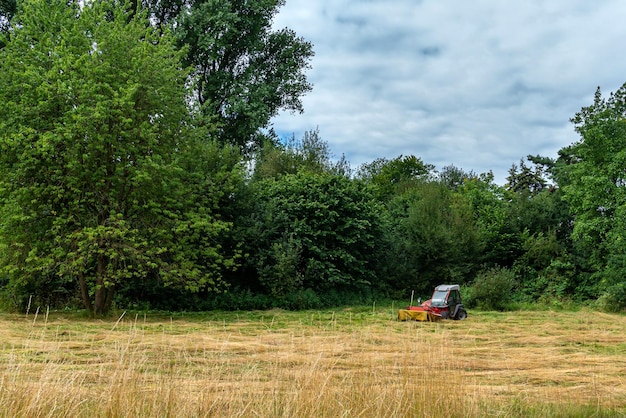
(51, 292)
(492, 290)
(303, 299)
(614, 298)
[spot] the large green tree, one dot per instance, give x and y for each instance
(434, 237)
(244, 70)
(500, 240)
(94, 124)
(593, 174)
(314, 231)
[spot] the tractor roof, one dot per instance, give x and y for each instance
(446, 287)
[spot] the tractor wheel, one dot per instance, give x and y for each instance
(461, 315)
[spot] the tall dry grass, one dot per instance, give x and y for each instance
(314, 364)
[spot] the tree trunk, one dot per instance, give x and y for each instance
(101, 290)
(108, 300)
(84, 292)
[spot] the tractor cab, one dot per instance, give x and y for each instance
(445, 303)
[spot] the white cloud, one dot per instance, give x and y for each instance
(479, 84)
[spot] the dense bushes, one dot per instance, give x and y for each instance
(493, 289)
(167, 299)
(313, 231)
(614, 298)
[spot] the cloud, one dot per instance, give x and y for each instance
(478, 85)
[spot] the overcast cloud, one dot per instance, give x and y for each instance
(476, 84)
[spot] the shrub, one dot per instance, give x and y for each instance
(614, 298)
(492, 289)
(303, 299)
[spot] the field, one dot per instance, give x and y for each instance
(357, 362)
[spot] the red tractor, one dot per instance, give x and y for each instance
(444, 304)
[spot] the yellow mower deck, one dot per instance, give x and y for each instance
(409, 315)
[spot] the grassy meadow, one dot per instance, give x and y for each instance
(354, 362)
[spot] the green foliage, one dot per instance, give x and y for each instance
(124, 144)
(527, 180)
(546, 273)
(493, 289)
(499, 240)
(317, 231)
(614, 298)
(592, 171)
(310, 154)
(454, 177)
(7, 10)
(434, 238)
(280, 272)
(91, 145)
(170, 299)
(393, 177)
(50, 291)
(244, 71)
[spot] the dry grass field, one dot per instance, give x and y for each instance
(343, 363)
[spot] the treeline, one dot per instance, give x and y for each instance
(138, 169)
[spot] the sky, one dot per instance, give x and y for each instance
(476, 84)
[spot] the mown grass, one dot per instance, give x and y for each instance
(333, 363)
